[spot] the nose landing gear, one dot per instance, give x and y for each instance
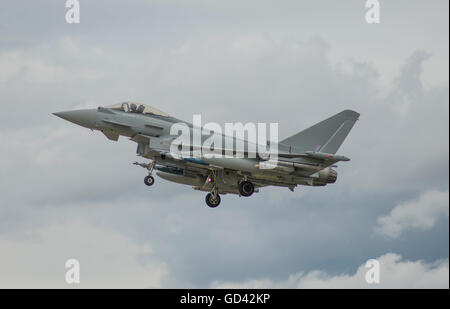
(148, 180)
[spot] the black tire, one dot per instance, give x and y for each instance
(212, 202)
(246, 188)
(149, 180)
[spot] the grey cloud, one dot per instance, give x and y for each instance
(107, 259)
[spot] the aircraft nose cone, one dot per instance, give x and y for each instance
(84, 117)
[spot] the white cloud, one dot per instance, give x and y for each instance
(107, 259)
(395, 272)
(421, 213)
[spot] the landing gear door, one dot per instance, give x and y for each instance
(229, 177)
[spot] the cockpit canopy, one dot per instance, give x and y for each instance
(132, 107)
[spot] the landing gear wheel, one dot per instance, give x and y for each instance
(212, 200)
(246, 188)
(149, 180)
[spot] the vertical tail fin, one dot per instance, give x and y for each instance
(326, 136)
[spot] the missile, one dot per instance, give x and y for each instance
(326, 156)
(285, 166)
(182, 179)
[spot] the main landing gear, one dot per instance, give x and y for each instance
(246, 188)
(213, 198)
(148, 180)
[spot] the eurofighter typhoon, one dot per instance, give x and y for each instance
(219, 163)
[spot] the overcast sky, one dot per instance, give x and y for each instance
(67, 192)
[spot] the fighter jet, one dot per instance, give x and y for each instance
(305, 158)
